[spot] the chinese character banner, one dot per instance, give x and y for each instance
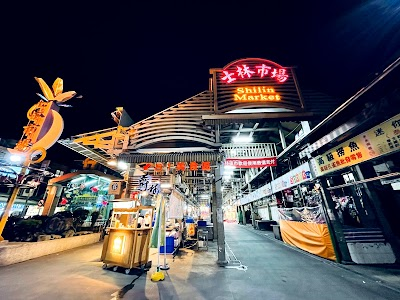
(379, 140)
(251, 162)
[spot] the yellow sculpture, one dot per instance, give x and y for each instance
(44, 128)
(45, 124)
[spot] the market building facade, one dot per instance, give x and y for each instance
(192, 146)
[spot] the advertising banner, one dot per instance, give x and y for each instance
(379, 140)
(294, 177)
(175, 208)
(246, 163)
(263, 191)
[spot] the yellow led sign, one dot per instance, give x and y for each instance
(256, 93)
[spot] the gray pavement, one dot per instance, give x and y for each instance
(261, 267)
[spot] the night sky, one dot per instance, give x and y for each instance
(148, 58)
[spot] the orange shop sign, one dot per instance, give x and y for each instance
(379, 140)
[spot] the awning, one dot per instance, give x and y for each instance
(254, 117)
(70, 176)
(381, 177)
(172, 157)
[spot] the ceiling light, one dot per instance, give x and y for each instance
(122, 165)
(242, 139)
(228, 172)
(16, 158)
(112, 162)
(78, 179)
(228, 167)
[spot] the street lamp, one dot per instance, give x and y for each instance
(20, 182)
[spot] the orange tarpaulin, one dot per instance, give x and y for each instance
(311, 237)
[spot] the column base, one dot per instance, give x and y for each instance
(222, 263)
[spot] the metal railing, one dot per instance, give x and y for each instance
(249, 150)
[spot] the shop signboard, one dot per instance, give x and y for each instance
(294, 177)
(263, 191)
(380, 140)
(256, 82)
(115, 188)
(147, 184)
(160, 167)
(246, 163)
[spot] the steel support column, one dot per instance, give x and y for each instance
(282, 136)
(334, 226)
(220, 217)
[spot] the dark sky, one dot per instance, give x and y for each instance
(147, 58)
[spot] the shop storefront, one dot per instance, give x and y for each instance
(84, 190)
(260, 205)
(288, 188)
(301, 216)
(360, 180)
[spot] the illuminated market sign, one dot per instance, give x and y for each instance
(256, 93)
(244, 71)
(256, 83)
(379, 140)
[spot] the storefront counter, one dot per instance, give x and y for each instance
(126, 245)
(265, 224)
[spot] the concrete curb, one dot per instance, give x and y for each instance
(15, 252)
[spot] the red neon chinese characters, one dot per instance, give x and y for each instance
(146, 166)
(193, 166)
(244, 71)
(158, 167)
(228, 77)
(206, 166)
(181, 166)
(262, 71)
(280, 75)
